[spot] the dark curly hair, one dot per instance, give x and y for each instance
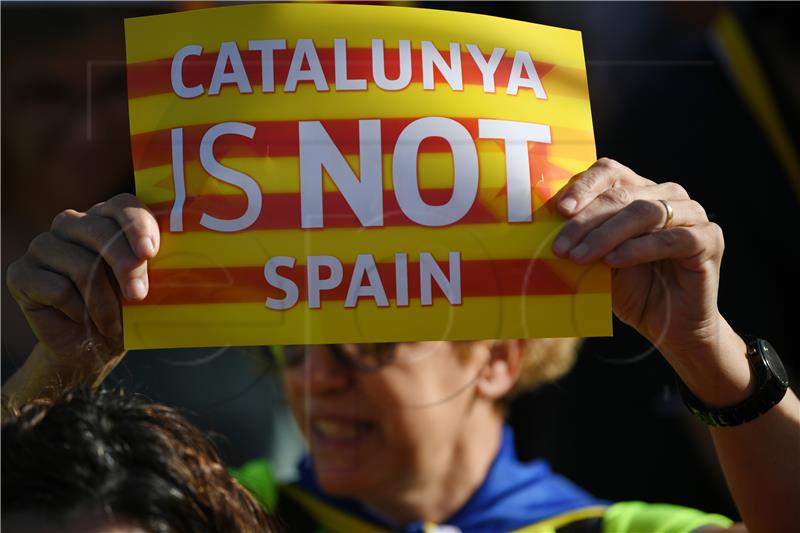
(123, 457)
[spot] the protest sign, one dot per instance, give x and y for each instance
(332, 173)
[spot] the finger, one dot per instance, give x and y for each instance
(88, 273)
(34, 288)
(604, 174)
(104, 236)
(609, 203)
(637, 218)
(137, 222)
(692, 245)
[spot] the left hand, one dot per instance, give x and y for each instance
(664, 280)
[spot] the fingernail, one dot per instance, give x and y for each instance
(146, 247)
(579, 251)
(137, 289)
(561, 246)
(568, 204)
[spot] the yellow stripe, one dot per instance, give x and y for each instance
(752, 83)
(330, 519)
(210, 249)
(156, 37)
(252, 324)
(574, 165)
(551, 524)
(167, 111)
(282, 174)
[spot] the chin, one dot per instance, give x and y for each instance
(342, 482)
(347, 455)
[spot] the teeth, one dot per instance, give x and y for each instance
(336, 429)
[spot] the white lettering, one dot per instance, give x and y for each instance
(267, 48)
(305, 50)
(343, 83)
(401, 279)
(379, 68)
(176, 214)
(365, 264)
(516, 135)
(228, 175)
(465, 168)
(318, 151)
(315, 284)
(429, 269)
(451, 72)
(487, 68)
(282, 283)
(176, 72)
(522, 60)
(229, 54)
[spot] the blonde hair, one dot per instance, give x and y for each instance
(545, 361)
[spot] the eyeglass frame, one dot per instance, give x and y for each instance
(385, 352)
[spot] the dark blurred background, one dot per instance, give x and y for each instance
(705, 94)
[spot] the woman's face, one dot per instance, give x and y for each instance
(390, 430)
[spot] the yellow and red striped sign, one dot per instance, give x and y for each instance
(339, 173)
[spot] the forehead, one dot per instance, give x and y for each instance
(405, 350)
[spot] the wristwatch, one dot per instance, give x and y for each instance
(770, 384)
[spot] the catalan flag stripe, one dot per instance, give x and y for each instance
(326, 23)
(505, 277)
(154, 77)
(246, 324)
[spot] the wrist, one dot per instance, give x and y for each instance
(45, 373)
(716, 370)
(34, 379)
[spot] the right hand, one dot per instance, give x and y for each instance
(71, 281)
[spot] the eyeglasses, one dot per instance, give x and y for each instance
(367, 357)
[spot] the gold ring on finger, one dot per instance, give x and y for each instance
(670, 214)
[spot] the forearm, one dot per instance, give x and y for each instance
(43, 375)
(761, 461)
(761, 458)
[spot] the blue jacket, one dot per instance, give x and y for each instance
(515, 497)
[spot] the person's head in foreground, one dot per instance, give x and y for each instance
(107, 462)
(389, 423)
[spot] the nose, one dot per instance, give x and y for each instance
(324, 373)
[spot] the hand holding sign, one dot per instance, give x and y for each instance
(69, 283)
(666, 268)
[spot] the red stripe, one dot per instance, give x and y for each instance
(276, 139)
(505, 277)
(282, 210)
(154, 77)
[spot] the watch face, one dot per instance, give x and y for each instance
(774, 363)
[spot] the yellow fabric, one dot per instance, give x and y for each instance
(552, 524)
(333, 520)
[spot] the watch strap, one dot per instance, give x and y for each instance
(769, 390)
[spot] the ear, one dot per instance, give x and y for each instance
(502, 369)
